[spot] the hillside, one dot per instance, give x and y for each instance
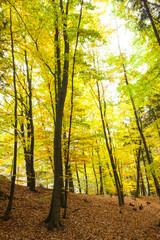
(89, 217)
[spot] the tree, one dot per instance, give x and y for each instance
(68, 174)
(29, 149)
(138, 170)
(151, 19)
(7, 212)
(109, 146)
(54, 214)
(142, 136)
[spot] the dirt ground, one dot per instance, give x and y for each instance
(88, 217)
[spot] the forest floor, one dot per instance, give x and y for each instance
(88, 217)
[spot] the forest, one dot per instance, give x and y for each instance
(79, 111)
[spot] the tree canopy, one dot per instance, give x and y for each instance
(79, 97)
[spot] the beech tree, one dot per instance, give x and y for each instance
(109, 146)
(7, 212)
(28, 144)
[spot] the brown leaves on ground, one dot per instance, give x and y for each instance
(88, 217)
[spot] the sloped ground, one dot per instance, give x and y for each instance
(88, 217)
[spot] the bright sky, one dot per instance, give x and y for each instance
(124, 34)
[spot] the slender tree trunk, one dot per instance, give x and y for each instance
(135, 111)
(138, 171)
(100, 174)
(26, 154)
(143, 189)
(28, 149)
(117, 179)
(118, 185)
(95, 175)
(151, 19)
(31, 130)
(86, 178)
(101, 180)
(7, 212)
(66, 173)
(78, 179)
(142, 136)
(147, 179)
(71, 185)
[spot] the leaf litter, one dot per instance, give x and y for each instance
(88, 217)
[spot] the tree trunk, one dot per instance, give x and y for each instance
(142, 136)
(86, 178)
(119, 187)
(95, 175)
(151, 19)
(7, 212)
(67, 165)
(138, 171)
(26, 154)
(143, 189)
(54, 214)
(78, 180)
(147, 179)
(71, 185)
(100, 174)
(53, 218)
(101, 180)
(31, 176)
